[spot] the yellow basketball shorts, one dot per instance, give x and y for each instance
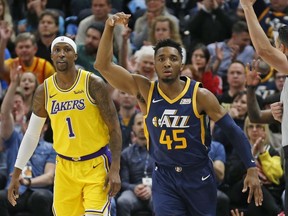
(78, 187)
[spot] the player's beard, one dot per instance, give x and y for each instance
(168, 80)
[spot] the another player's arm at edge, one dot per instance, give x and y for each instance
(99, 92)
(208, 103)
(263, 47)
(255, 114)
(29, 141)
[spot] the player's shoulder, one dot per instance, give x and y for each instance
(94, 79)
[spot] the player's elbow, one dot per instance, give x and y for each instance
(100, 66)
(263, 51)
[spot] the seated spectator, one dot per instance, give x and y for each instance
(127, 112)
(101, 10)
(28, 84)
(270, 172)
(209, 24)
(87, 52)
(237, 47)
(34, 10)
(162, 28)
(35, 185)
(48, 30)
(136, 173)
(200, 60)
(154, 9)
(236, 79)
(25, 48)
(145, 62)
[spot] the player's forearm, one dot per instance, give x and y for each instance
(254, 112)
(7, 104)
(115, 147)
(258, 36)
(29, 141)
(7, 122)
(105, 49)
(252, 105)
(237, 137)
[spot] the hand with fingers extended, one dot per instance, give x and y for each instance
(236, 212)
(219, 52)
(252, 76)
(252, 182)
(118, 19)
(15, 72)
(258, 147)
(5, 31)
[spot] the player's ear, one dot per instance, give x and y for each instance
(76, 56)
(182, 66)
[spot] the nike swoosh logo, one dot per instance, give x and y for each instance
(94, 166)
(253, 161)
(51, 96)
(156, 101)
(205, 177)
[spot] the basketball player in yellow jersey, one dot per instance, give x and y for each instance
(84, 121)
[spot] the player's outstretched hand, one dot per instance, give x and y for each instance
(252, 182)
(118, 19)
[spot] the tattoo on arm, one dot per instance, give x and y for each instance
(38, 106)
(98, 91)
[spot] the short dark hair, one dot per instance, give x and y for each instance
(283, 35)
(240, 27)
(204, 49)
(239, 62)
(168, 43)
(50, 12)
(99, 26)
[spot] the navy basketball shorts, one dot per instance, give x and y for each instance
(184, 191)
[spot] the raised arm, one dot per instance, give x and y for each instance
(5, 34)
(29, 142)
(270, 54)
(116, 75)
(98, 90)
(7, 118)
(255, 114)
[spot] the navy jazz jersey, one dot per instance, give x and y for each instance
(176, 132)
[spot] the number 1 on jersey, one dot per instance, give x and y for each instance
(71, 133)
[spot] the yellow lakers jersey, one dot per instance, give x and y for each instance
(78, 128)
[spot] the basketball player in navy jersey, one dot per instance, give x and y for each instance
(175, 109)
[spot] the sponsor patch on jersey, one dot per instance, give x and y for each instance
(185, 101)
